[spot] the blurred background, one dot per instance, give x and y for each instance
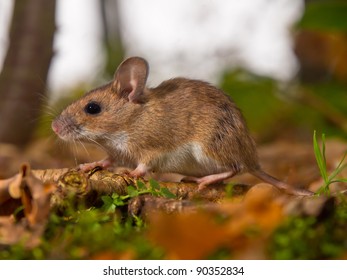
(284, 62)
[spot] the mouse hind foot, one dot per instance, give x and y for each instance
(210, 179)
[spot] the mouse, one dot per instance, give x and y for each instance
(182, 126)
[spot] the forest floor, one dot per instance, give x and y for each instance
(51, 211)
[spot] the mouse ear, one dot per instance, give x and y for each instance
(130, 78)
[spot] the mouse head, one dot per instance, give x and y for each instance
(107, 109)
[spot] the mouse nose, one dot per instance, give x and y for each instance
(56, 127)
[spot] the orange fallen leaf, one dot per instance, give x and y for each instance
(239, 225)
(187, 235)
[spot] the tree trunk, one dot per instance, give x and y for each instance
(110, 14)
(23, 79)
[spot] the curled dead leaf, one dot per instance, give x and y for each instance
(14, 186)
(35, 199)
(49, 175)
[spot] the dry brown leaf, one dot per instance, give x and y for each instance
(35, 198)
(4, 190)
(49, 175)
(260, 202)
(187, 235)
(252, 221)
(246, 224)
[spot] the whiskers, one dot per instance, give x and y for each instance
(70, 151)
(50, 110)
(82, 148)
(43, 117)
(62, 149)
(75, 151)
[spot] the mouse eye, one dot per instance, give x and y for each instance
(92, 108)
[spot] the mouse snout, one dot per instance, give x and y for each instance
(56, 126)
(65, 128)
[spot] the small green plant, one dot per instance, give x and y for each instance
(321, 162)
(116, 200)
(229, 190)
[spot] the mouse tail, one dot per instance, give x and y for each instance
(279, 184)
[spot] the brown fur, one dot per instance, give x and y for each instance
(182, 126)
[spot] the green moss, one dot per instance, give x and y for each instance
(311, 238)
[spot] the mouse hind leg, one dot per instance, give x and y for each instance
(211, 179)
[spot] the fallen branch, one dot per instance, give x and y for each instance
(71, 183)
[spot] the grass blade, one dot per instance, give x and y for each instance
(321, 162)
(320, 158)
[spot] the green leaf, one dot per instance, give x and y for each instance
(166, 193)
(107, 200)
(108, 203)
(141, 185)
(229, 190)
(324, 162)
(18, 210)
(119, 200)
(325, 16)
(321, 162)
(339, 181)
(338, 169)
(341, 162)
(138, 221)
(132, 192)
(320, 158)
(154, 184)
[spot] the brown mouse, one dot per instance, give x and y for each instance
(182, 126)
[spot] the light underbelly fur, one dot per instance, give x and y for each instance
(188, 159)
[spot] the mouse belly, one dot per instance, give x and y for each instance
(189, 159)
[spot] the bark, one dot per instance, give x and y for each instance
(90, 187)
(111, 22)
(22, 81)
